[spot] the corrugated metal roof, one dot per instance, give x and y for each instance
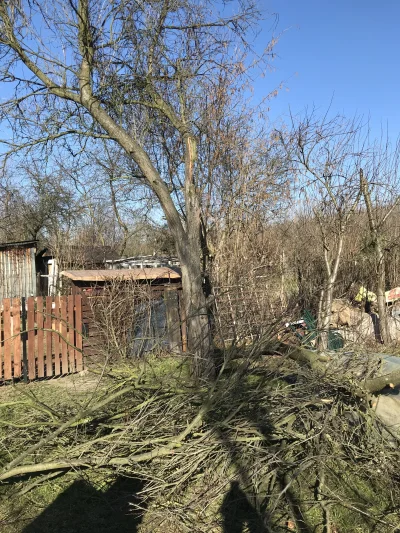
(19, 244)
(140, 258)
(136, 273)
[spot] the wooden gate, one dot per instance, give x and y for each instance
(41, 337)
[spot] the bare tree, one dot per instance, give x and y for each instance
(380, 189)
(131, 74)
(34, 204)
(326, 156)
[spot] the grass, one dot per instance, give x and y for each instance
(77, 501)
(20, 511)
(73, 503)
(99, 500)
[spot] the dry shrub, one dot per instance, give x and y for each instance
(129, 319)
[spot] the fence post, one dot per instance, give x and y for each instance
(182, 312)
(173, 322)
(24, 338)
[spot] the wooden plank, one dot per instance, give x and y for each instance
(78, 333)
(71, 334)
(56, 336)
(173, 321)
(16, 331)
(7, 338)
(63, 337)
(47, 325)
(1, 343)
(31, 338)
(183, 321)
(40, 336)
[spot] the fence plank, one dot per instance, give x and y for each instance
(7, 338)
(56, 336)
(172, 316)
(183, 321)
(31, 338)
(78, 333)
(40, 336)
(71, 334)
(63, 337)
(1, 344)
(16, 331)
(47, 325)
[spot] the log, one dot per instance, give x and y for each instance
(314, 361)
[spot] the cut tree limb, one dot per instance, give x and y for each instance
(161, 451)
(315, 362)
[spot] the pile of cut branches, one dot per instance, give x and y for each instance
(297, 445)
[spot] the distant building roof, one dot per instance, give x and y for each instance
(105, 275)
(144, 258)
(141, 261)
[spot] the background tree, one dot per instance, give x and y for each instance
(326, 156)
(34, 204)
(380, 190)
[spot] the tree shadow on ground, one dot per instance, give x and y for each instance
(81, 508)
(246, 506)
(237, 512)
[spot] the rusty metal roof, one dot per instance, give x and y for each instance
(121, 274)
(19, 244)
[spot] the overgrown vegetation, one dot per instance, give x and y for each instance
(294, 446)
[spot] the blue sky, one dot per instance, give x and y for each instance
(345, 50)
(343, 53)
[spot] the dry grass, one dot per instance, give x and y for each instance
(275, 442)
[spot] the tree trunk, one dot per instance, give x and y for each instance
(320, 319)
(324, 318)
(186, 235)
(194, 299)
(199, 335)
(379, 259)
(380, 293)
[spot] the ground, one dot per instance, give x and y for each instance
(68, 503)
(102, 501)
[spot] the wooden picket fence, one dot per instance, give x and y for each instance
(41, 337)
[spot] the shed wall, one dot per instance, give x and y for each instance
(17, 272)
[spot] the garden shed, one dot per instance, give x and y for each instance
(162, 314)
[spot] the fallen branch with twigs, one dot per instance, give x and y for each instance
(275, 433)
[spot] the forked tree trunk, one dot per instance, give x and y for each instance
(186, 235)
(325, 305)
(194, 299)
